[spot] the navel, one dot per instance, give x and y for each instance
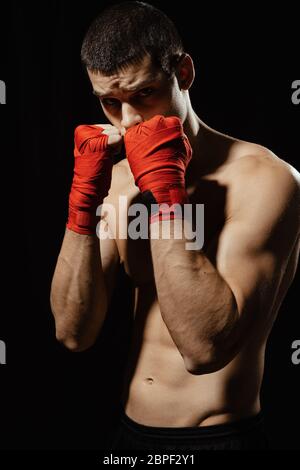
(149, 380)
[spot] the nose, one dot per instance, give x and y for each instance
(130, 117)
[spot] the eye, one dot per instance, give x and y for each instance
(110, 102)
(146, 92)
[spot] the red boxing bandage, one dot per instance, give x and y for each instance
(158, 153)
(92, 178)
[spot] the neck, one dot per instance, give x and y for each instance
(197, 132)
(211, 148)
(194, 130)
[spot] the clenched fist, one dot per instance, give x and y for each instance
(94, 147)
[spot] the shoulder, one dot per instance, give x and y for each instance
(259, 178)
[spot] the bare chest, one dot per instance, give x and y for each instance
(135, 252)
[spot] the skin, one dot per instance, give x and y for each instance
(202, 318)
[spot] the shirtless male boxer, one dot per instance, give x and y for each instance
(202, 317)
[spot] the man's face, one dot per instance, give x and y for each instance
(137, 94)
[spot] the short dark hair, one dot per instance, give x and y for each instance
(124, 33)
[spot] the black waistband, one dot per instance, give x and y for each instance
(241, 426)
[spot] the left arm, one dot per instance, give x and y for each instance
(211, 311)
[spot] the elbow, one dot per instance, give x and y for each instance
(202, 367)
(213, 354)
(74, 343)
(208, 362)
(72, 337)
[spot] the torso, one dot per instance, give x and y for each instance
(158, 390)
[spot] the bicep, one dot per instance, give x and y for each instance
(253, 259)
(257, 241)
(252, 269)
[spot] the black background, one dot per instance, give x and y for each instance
(245, 64)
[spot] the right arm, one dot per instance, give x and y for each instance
(85, 270)
(81, 288)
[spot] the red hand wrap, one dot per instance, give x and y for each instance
(158, 152)
(92, 178)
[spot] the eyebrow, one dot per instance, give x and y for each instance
(133, 89)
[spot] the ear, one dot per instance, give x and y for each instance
(185, 72)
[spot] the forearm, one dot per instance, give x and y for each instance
(196, 304)
(78, 294)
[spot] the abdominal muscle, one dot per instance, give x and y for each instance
(159, 391)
